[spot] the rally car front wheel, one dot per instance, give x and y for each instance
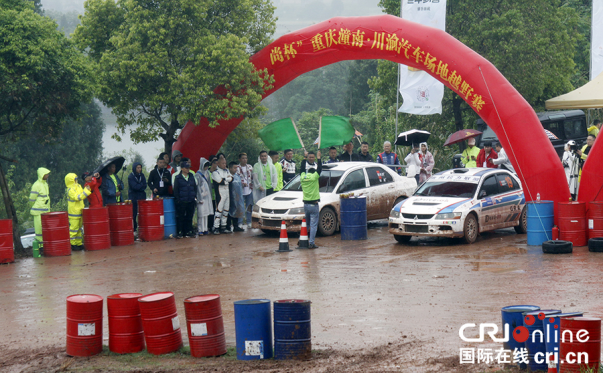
(471, 229)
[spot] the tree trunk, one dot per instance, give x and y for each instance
(11, 212)
(168, 136)
(458, 116)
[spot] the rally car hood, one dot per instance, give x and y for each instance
(431, 205)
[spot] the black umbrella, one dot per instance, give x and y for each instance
(118, 161)
(412, 137)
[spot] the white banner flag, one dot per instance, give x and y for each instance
(421, 93)
(596, 41)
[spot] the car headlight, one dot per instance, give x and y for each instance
(448, 216)
(297, 211)
(256, 208)
(394, 214)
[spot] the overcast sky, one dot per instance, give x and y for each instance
(292, 14)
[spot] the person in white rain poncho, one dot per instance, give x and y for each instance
(571, 165)
(204, 203)
(265, 178)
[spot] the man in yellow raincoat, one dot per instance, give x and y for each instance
(76, 195)
(39, 198)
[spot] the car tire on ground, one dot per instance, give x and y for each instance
(595, 245)
(470, 229)
(522, 228)
(327, 222)
(557, 247)
(402, 239)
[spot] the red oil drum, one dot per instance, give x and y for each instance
(84, 324)
(120, 224)
(150, 220)
(588, 329)
(160, 323)
(205, 325)
(572, 222)
(55, 234)
(125, 325)
(96, 228)
(595, 219)
(7, 252)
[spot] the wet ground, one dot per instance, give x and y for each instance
(405, 302)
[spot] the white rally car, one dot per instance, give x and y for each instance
(461, 203)
(382, 187)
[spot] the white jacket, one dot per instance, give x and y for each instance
(203, 191)
(220, 175)
(414, 164)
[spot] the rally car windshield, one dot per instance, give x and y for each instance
(447, 189)
(327, 182)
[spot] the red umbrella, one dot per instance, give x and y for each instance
(461, 135)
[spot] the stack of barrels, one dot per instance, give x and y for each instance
(55, 234)
(150, 220)
(121, 224)
(125, 324)
(96, 228)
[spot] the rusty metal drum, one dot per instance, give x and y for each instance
(292, 330)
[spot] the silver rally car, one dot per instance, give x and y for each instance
(461, 203)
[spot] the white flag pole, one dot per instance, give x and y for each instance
(398, 94)
(297, 132)
(319, 132)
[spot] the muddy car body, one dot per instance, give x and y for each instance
(461, 203)
(382, 187)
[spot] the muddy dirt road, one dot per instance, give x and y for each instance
(366, 295)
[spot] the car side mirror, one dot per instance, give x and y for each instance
(482, 194)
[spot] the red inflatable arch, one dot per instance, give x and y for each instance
(387, 37)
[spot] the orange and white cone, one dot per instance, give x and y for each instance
(283, 242)
(552, 365)
(303, 237)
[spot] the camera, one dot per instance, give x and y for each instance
(573, 147)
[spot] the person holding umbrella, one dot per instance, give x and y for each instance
(470, 154)
(414, 163)
(112, 185)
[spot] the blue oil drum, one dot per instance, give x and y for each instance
(541, 218)
(292, 331)
(169, 216)
(253, 329)
(552, 330)
(512, 315)
(535, 342)
(352, 218)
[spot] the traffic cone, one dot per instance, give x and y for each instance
(283, 242)
(303, 237)
(552, 365)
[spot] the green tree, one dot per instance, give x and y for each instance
(159, 63)
(78, 148)
(44, 81)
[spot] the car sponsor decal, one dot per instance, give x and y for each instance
(456, 178)
(453, 206)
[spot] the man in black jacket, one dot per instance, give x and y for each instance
(348, 155)
(363, 154)
(160, 179)
(185, 196)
